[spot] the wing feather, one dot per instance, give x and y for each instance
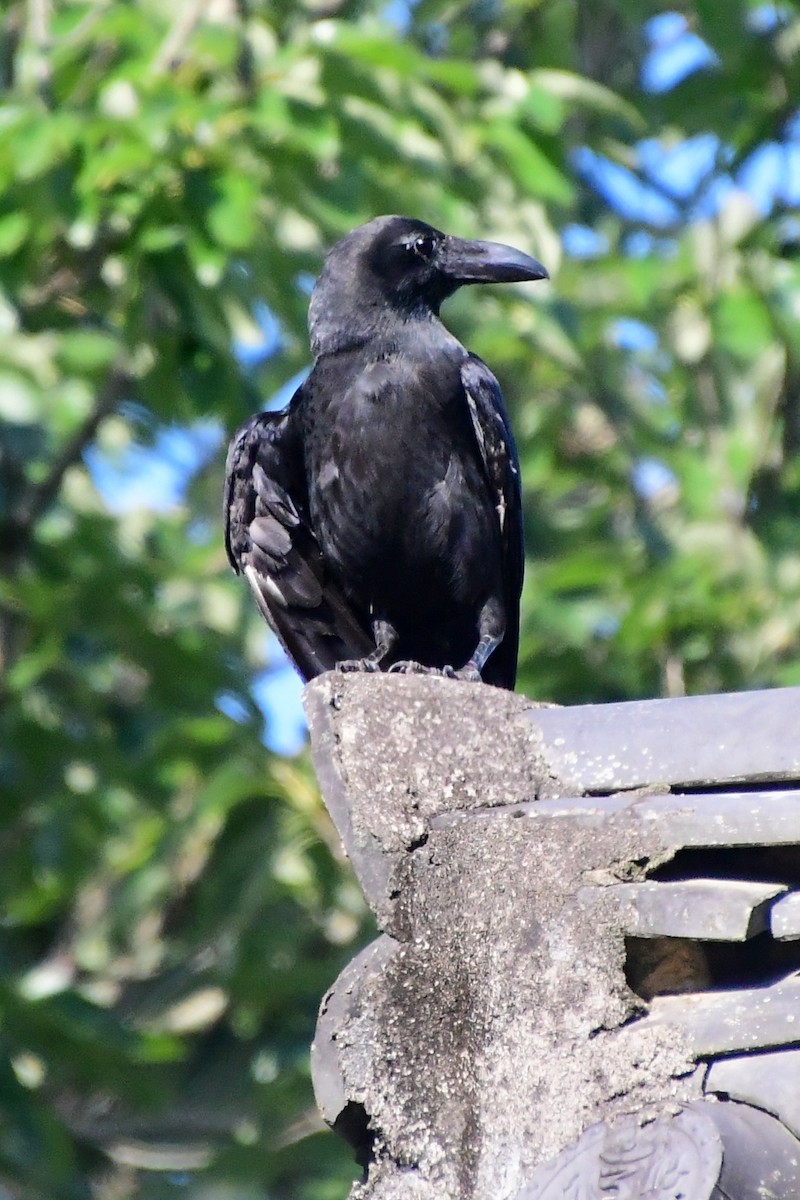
(268, 539)
(501, 465)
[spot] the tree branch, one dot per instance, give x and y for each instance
(38, 31)
(39, 497)
(177, 35)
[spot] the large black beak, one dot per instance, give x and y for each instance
(486, 262)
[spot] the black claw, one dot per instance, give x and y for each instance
(408, 667)
(365, 665)
(469, 673)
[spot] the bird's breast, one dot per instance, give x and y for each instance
(397, 494)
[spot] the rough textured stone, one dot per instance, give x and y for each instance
(495, 979)
(727, 910)
(448, 1040)
(761, 1159)
(342, 1008)
(723, 1022)
(494, 1025)
(675, 1156)
(687, 741)
(769, 1081)
(704, 1151)
(785, 918)
(391, 750)
(752, 818)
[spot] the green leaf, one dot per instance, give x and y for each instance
(232, 218)
(14, 229)
(742, 324)
(88, 350)
(42, 143)
(526, 162)
(587, 93)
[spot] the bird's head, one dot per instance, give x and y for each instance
(398, 266)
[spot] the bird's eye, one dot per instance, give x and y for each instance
(424, 246)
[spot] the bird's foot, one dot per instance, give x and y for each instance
(367, 665)
(407, 666)
(470, 673)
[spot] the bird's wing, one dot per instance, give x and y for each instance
(269, 540)
(501, 464)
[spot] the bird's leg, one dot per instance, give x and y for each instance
(385, 636)
(491, 628)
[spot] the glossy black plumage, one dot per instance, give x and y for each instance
(378, 517)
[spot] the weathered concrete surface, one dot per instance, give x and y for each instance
(746, 1019)
(494, 1025)
(769, 1081)
(704, 1151)
(493, 1033)
(686, 741)
(677, 1155)
(785, 918)
(391, 751)
(449, 1040)
(724, 910)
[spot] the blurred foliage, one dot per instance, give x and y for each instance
(174, 901)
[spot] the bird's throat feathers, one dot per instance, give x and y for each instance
(336, 324)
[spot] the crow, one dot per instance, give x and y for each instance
(378, 518)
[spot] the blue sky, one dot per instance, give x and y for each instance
(156, 475)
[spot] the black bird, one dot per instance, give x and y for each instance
(378, 517)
